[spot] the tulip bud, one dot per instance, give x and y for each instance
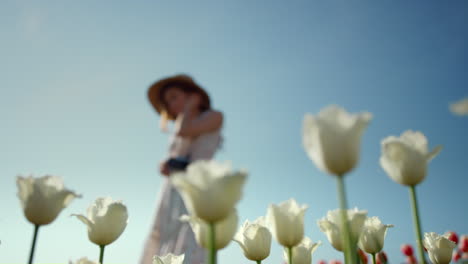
(463, 244)
(43, 198)
(286, 222)
(254, 239)
(439, 247)
(224, 230)
(205, 179)
(372, 236)
(322, 262)
(332, 138)
(405, 159)
(169, 259)
(331, 226)
(302, 253)
(106, 220)
(407, 250)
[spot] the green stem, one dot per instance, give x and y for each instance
(417, 223)
(101, 254)
(373, 258)
(349, 247)
(290, 255)
(259, 262)
(33, 246)
(212, 244)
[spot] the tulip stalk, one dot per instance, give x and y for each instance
(417, 223)
(33, 246)
(290, 255)
(212, 244)
(373, 258)
(349, 248)
(259, 262)
(101, 254)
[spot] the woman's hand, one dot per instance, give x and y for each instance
(164, 168)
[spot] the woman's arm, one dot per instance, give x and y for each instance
(193, 128)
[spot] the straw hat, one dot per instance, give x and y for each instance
(182, 81)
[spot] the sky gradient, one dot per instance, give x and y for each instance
(74, 76)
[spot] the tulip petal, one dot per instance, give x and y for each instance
(433, 153)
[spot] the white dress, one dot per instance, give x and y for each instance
(168, 234)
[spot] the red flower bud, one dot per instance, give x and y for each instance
(322, 262)
(362, 256)
(381, 258)
(463, 244)
(411, 260)
(453, 236)
(407, 250)
(456, 256)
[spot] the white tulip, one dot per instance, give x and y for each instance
(286, 222)
(460, 107)
(332, 138)
(106, 220)
(224, 229)
(254, 239)
(373, 235)
(43, 198)
(169, 259)
(405, 159)
(210, 190)
(439, 247)
(331, 226)
(302, 253)
(83, 261)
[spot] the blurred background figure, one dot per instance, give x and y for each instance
(196, 135)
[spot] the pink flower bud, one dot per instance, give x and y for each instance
(407, 250)
(322, 262)
(335, 261)
(463, 244)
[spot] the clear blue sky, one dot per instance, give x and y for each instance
(73, 80)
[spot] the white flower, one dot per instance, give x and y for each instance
(224, 229)
(460, 107)
(439, 247)
(331, 226)
(169, 259)
(84, 261)
(302, 253)
(286, 222)
(373, 235)
(254, 239)
(332, 139)
(210, 190)
(405, 159)
(43, 198)
(106, 220)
